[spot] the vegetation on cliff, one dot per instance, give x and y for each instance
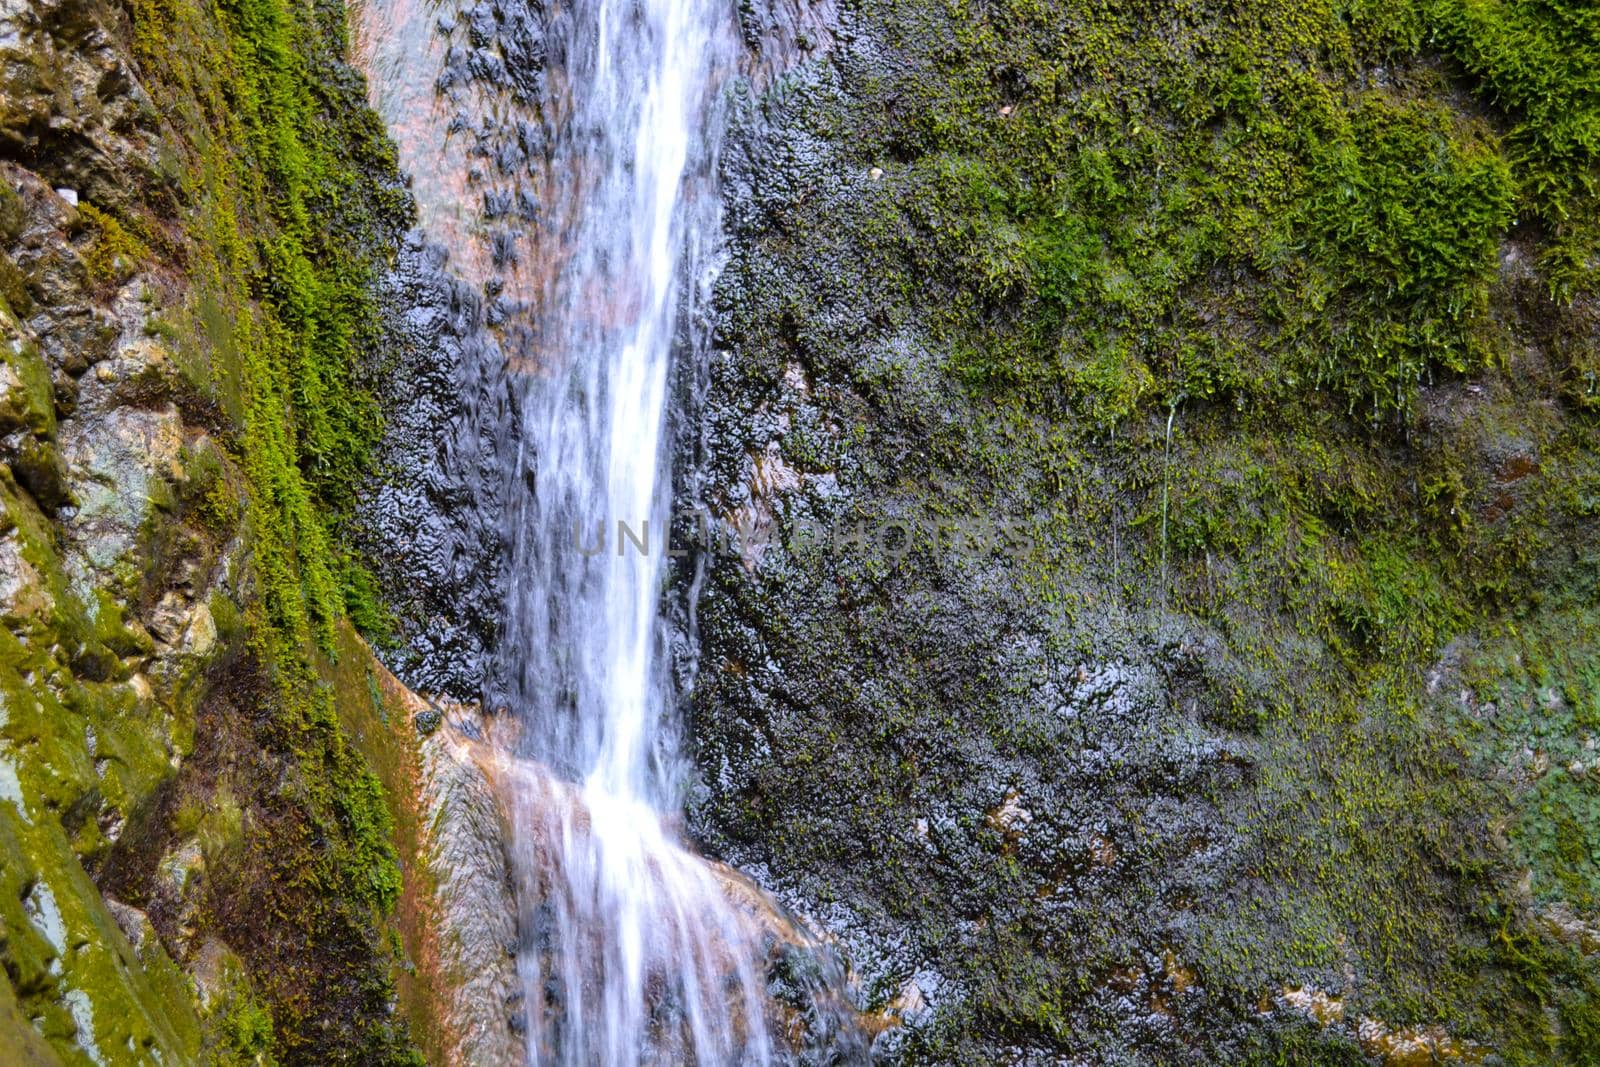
(1276, 324)
(290, 203)
(231, 199)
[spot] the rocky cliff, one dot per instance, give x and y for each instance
(1158, 447)
(199, 862)
(1167, 434)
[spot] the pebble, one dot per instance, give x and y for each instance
(69, 195)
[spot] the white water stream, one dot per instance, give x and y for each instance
(636, 955)
(630, 951)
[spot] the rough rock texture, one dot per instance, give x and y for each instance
(196, 861)
(1269, 683)
(430, 517)
(107, 630)
(475, 925)
(71, 96)
(1256, 722)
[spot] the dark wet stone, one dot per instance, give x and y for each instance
(430, 519)
(41, 470)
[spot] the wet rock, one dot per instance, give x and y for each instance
(1315, 1004)
(217, 974)
(806, 1005)
(477, 914)
(170, 618)
(1010, 818)
(41, 470)
(134, 924)
(200, 637)
(117, 461)
(95, 662)
(40, 905)
(782, 33)
(431, 521)
(472, 918)
(184, 626)
(1056, 793)
(1570, 928)
(1414, 1046)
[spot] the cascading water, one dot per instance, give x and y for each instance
(630, 953)
(567, 157)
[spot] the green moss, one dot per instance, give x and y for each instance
(65, 959)
(1538, 61)
(111, 628)
(13, 213)
(217, 821)
(1309, 235)
(290, 205)
(364, 606)
(371, 831)
(239, 1030)
(1078, 198)
(33, 407)
(278, 203)
(298, 203)
(14, 295)
(1407, 207)
(250, 1031)
(113, 254)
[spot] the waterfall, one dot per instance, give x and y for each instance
(590, 133)
(630, 952)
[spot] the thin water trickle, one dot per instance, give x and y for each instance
(630, 951)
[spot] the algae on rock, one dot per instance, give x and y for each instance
(1271, 326)
(199, 865)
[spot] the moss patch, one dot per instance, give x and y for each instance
(1250, 316)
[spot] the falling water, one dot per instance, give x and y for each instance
(567, 157)
(630, 953)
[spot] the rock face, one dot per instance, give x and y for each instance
(472, 930)
(170, 756)
(107, 627)
(71, 95)
(430, 517)
(1158, 445)
(1091, 706)
(1141, 435)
